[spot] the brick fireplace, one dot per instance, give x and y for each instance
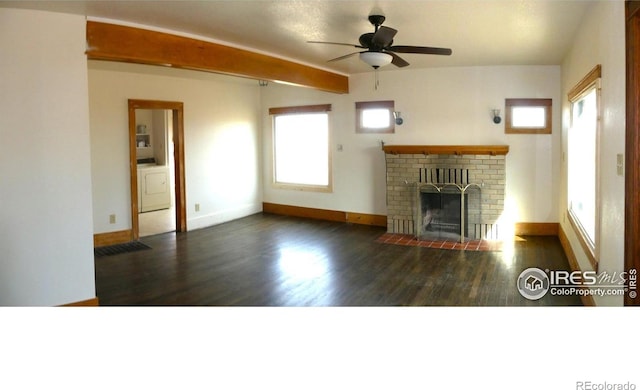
(445, 192)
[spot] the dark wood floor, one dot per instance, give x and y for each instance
(269, 260)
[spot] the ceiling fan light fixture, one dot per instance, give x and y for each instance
(376, 59)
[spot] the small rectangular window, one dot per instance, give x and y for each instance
(301, 147)
(375, 117)
(527, 116)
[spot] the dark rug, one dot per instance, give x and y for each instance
(111, 250)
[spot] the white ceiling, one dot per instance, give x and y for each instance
(480, 32)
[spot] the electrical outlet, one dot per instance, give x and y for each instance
(197, 207)
(112, 218)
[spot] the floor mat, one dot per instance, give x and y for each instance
(132, 246)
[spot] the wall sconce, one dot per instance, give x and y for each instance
(496, 116)
(399, 120)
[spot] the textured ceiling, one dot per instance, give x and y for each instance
(498, 32)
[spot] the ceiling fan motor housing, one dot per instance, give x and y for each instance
(366, 39)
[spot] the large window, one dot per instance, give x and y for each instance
(582, 153)
(301, 147)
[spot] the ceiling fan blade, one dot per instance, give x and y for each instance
(343, 57)
(421, 50)
(397, 60)
(339, 43)
(383, 37)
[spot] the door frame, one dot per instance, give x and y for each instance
(178, 142)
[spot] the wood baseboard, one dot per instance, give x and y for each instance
(367, 219)
(305, 212)
(112, 238)
(536, 228)
(326, 215)
(88, 302)
(587, 300)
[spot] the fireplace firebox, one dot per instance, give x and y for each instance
(449, 211)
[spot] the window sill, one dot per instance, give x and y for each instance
(516, 130)
(303, 187)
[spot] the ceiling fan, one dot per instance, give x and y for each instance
(379, 46)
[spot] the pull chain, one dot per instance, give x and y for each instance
(376, 80)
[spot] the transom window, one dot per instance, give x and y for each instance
(301, 147)
(527, 116)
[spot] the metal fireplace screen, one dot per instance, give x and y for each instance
(448, 206)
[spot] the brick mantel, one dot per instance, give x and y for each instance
(491, 150)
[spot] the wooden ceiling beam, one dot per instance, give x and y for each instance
(113, 42)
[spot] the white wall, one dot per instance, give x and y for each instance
(46, 244)
(221, 116)
(439, 106)
(600, 40)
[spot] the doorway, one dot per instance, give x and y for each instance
(156, 179)
(156, 153)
